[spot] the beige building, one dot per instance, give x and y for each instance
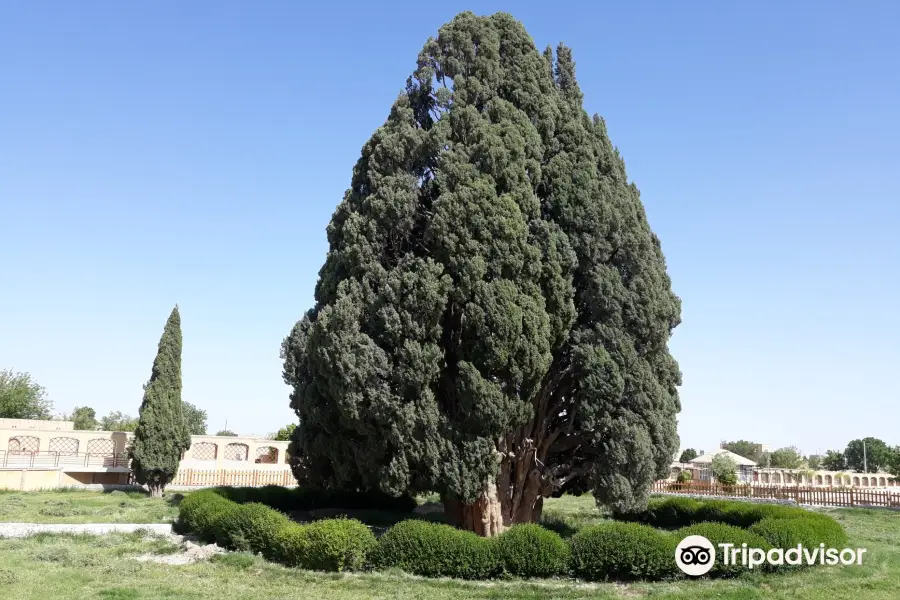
(49, 454)
(750, 473)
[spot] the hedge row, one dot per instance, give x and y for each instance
(672, 513)
(306, 499)
(609, 550)
(332, 545)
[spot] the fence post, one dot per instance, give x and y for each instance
(852, 499)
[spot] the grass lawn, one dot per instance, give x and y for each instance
(50, 566)
(76, 506)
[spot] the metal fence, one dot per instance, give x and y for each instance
(817, 496)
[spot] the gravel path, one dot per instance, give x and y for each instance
(25, 529)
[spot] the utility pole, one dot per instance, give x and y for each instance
(865, 463)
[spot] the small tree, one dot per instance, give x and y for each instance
(871, 455)
(786, 458)
(834, 461)
(724, 469)
(117, 421)
(84, 417)
(814, 461)
(22, 398)
(684, 477)
(194, 419)
(226, 432)
(161, 436)
(688, 455)
(284, 434)
(749, 450)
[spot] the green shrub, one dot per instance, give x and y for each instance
(199, 512)
(289, 545)
(436, 550)
(809, 531)
(305, 499)
(252, 527)
(720, 533)
(674, 512)
(531, 551)
(623, 551)
(337, 545)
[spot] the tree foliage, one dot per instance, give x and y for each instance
(749, 450)
(492, 318)
(85, 418)
(786, 458)
(21, 397)
(688, 455)
(226, 432)
(118, 421)
(161, 436)
(194, 419)
(834, 461)
(724, 469)
(814, 461)
(284, 434)
(876, 456)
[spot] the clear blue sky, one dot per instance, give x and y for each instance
(193, 153)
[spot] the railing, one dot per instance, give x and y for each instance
(46, 459)
(245, 478)
(818, 496)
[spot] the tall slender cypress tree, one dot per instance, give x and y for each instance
(161, 435)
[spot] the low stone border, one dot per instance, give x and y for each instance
(16, 530)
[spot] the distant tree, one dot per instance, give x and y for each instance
(684, 477)
(786, 458)
(814, 462)
(194, 419)
(834, 461)
(161, 435)
(85, 418)
(688, 455)
(749, 450)
(877, 456)
(226, 432)
(116, 421)
(894, 467)
(284, 434)
(724, 469)
(23, 398)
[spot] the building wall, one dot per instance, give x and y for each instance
(40, 454)
(37, 424)
(781, 477)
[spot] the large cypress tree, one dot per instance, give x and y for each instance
(492, 319)
(161, 436)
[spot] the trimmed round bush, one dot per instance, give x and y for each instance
(436, 550)
(200, 511)
(720, 533)
(529, 550)
(623, 551)
(254, 526)
(290, 545)
(675, 512)
(337, 545)
(249, 527)
(808, 531)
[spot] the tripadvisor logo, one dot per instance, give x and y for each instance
(695, 555)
